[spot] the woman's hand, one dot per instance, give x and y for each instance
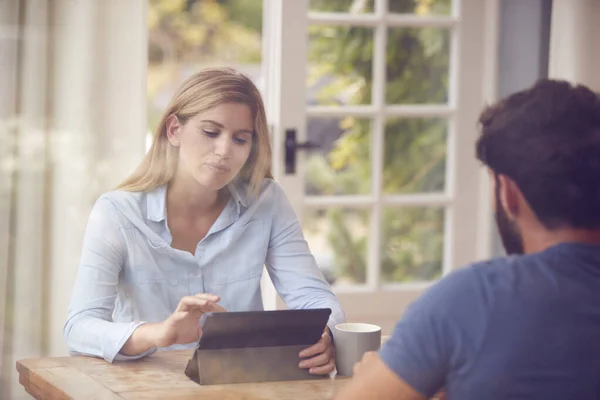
(183, 326)
(319, 359)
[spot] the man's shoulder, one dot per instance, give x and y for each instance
(499, 268)
(506, 272)
(472, 285)
(474, 274)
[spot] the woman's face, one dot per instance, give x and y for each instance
(213, 145)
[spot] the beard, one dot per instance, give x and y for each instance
(508, 230)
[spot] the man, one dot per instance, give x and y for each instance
(526, 326)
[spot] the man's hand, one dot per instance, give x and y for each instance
(319, 358)
(374, 380)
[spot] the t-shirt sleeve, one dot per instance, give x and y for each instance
(438, 333)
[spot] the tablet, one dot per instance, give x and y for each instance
(255, 346)
(233, 330)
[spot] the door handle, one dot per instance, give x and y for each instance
(291, 148)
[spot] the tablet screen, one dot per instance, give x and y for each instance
(230, 330)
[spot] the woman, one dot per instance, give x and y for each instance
(190, 231)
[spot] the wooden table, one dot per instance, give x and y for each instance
(160, 376)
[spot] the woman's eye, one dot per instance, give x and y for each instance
(211, 134)
(240, 140)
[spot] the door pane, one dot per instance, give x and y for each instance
(338, 239)
(414, 155)
(343, 6)
(340, 62)
(342, 164)
(417, 65)
(412, 244)
(421, 7)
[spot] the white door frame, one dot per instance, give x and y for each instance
(285, 76)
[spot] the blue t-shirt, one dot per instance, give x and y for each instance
(522, 327)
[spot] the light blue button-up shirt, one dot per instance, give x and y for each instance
(129, 274)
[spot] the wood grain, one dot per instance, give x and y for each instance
(159, 376)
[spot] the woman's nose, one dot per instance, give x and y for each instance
(223, 146)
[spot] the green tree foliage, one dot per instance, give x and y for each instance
(192, 31)
(191, 34)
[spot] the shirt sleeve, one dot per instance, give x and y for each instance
(438, 333)
(89, 329)
(292, 267)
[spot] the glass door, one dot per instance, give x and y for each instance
(373, 105)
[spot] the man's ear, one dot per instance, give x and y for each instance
(173, 130)
(510, 196)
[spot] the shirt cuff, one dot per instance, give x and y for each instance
(116, 337)
(335, 319)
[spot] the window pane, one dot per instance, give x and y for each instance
(342, 165)
(339, 65)
(412, 244)
(421, 7)
(417, 65)
(343, 6)
(414, 155)
(187, 36)
(338, 239)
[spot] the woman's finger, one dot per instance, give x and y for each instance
(189, 303)
(208, 296)
(316, 361)
(324, 369)
(317, 348)
(193, 303)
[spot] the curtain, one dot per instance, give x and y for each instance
(72, 124)
(574, 38)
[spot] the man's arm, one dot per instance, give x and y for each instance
(438, 333)
(374, 380)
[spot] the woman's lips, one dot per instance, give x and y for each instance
(218, 167)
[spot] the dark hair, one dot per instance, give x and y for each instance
(547, 140)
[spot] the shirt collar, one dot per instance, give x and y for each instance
(156, 204)
(156, 201)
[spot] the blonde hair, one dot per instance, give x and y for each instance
(201, 92)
